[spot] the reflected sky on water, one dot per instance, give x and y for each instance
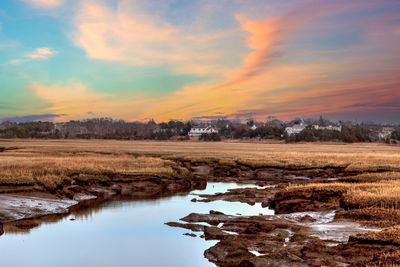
(122, 233)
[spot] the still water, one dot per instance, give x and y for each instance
(122, 233)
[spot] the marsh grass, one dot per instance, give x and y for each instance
(383, 193)
(371, 177)
(352, 157)
(54, 169)
(380, 217)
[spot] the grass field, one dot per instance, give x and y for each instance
(360, 157)
(53, 162)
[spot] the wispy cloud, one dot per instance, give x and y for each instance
(39, 53)
(42, 53)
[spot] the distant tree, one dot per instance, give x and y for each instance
(396, 134)
(210, 137)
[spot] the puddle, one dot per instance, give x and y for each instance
(256, 253)
(326, 228)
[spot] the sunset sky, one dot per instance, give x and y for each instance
(183, 59)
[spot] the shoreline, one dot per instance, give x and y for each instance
(242, 240)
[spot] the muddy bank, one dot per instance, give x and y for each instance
(310, 200)
(20, 207)
(312, 228)
(296, 239)
(35, 200)
(244, 195)
(317, 237)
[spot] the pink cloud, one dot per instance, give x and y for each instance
(127, 35)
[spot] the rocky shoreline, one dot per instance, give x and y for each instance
(287, 239)
(310, 228)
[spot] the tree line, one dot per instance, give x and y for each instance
(106, 128)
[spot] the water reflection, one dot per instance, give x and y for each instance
(122, 233)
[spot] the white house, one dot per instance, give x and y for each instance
(295, 129)
(329, 127)
(198, 131)
(254, 127)
(385, 132)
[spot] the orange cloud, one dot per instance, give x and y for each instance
(73, 99)
(132, 37)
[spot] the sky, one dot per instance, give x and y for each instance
(185, 59)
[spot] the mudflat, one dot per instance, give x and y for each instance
(335, 204)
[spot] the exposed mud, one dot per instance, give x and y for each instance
(296, 239)
(30, 203)
(310, 229)
(18, 207)
(245, 195)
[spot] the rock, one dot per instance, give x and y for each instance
(1, 229)
(246, 263)
(191, 226)
(256, 227)
(214, 233)
(307, 219)
(190, 234)
(194, 200)
(203, 170)
(229, 253)
(213, 212)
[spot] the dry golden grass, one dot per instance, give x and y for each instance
(54, 161)
(356, 157)
(383, 194)
(380, 217)
(53, 169)
(371, 177)
(390, 259)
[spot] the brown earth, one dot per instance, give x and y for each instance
(243, 240)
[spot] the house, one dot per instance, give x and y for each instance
(254, 127)
(329, 127)
(385, 132)
(295, 129)
(198, 131)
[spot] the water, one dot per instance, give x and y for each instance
(325, 227)
(122, 233)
